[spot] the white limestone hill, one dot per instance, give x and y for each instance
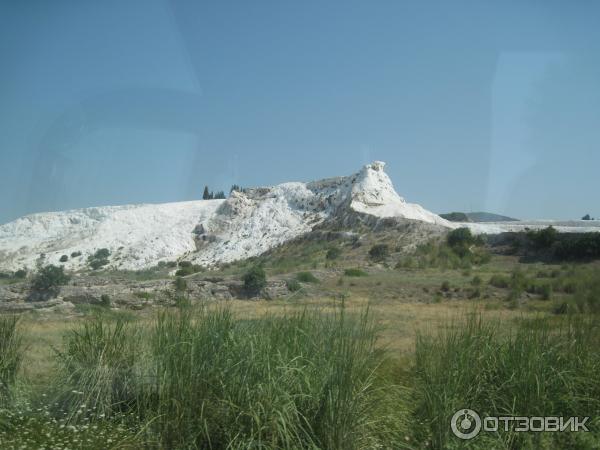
(208, 231)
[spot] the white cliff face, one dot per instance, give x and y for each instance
(137, 235)
(373, 193)
(208, 231)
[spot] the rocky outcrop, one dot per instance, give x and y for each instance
(135, 294)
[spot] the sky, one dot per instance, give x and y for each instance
(474, 105)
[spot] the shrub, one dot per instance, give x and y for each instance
(99, 259)
(379, 252)
(499, 281)
(105, 300)
(476, 281)
(460, 238)
(180, 284)
(21, 273)
(102, 253)
(189, 270)
(293, 285)
(333, 253)
(63, 258)
(445, 287)
(255, 279)
(306, 277)
(96, 264)
(543, 239)
(75, 254)
(49, 279)
(545, 291)
(185, 264)
(355, 273)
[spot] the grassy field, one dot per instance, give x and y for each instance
(367, 352)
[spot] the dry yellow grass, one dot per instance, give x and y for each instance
(400, 321)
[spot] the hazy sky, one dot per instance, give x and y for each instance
(475, 105)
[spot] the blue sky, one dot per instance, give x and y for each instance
(474, 105)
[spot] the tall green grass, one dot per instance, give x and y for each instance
(203, 379)
(539, 370)
(99, 369)
(11, 355)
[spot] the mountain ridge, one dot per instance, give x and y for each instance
(205, 232)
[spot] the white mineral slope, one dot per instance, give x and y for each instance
(211, 231)
(569, 226)
(137, 235)
(206, 232)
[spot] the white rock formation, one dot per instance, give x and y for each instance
(206, 231)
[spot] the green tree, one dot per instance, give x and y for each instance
(461, 237)
(254, 280)
(206, 194)
(48, 280)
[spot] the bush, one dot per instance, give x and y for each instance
(545, 291)
(75, 254)
(476, 281)
(185, 264)
(180, 284)
(105, 300)
(21, 273)
(255, 279)
(543, 239)
(293, 285)
(355, 273)
(379, 252)
(188, 270)
(63, 258)
(499, 281)
(99, 259)
(96, 264)
(306, 277)
(445, 287)
(102, 253)
(333, 253)
(49, 279)
(460, 238)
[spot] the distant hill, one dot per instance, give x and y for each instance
(455, 217)
(476, 217)
(489, 217)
